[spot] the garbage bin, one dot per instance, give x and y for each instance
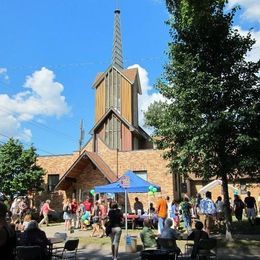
(130, 244)
(154, 254)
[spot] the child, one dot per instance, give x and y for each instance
(27, 218)
(85, 220)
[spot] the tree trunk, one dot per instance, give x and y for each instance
(227, 210)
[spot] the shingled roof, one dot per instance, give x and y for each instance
(80, 164)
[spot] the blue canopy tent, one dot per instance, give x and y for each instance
(137, 185)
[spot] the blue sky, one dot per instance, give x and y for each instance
(51, 51)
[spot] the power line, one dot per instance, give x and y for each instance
(27, 144)
(40, 125)
(82, 64)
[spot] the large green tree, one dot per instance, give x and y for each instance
(19, 173)
(210, 123)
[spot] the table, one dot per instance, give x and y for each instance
(55, 240)
(131, 219)
(153, 217)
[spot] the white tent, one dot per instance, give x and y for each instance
(212, 185)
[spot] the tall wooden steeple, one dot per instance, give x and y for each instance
(116, 108)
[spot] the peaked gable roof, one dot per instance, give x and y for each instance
(79, 163)
(111, 110)
(131, 75)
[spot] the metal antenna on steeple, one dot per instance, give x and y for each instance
(81, 136)
(117, 56)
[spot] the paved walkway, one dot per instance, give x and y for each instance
(99, 248)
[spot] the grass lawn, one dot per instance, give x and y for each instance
(245, 237)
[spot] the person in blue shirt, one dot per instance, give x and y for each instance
(208, 211)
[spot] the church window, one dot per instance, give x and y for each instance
(118, 92)
(106, 93)
(113, 90)
(141, 174)
(110, 89)
(115, 86)
(113, 132)
(53, 179)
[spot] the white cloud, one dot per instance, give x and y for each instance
(3, 73)
(3, 70)
(148, 96)
(42, 97)
(251, 9)
(254, 54)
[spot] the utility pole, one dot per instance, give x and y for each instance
(81, 136)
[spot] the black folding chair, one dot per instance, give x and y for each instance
(205, 248)
(28, 253)
(68, 251)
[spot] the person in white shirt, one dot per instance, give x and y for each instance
(220, 211)
(169, 204)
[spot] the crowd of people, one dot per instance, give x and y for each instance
(204, 209)
(105, 218)
(203, 212)
(18, 228)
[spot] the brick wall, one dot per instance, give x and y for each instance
(139, 160)
(149, 160)
(57, 164)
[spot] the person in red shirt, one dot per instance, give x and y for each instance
(45, 209)
(74, 208)
(88, 205)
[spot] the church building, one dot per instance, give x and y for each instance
(117, 142)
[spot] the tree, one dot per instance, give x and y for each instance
(210, 123)
(19, 173)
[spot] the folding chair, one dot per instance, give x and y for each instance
(188, 247)
(68, 251)
(29, 253)
(169, 245)
(205, 248)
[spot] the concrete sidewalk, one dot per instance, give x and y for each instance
(99, 248)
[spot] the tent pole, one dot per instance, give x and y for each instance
(126, 211)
